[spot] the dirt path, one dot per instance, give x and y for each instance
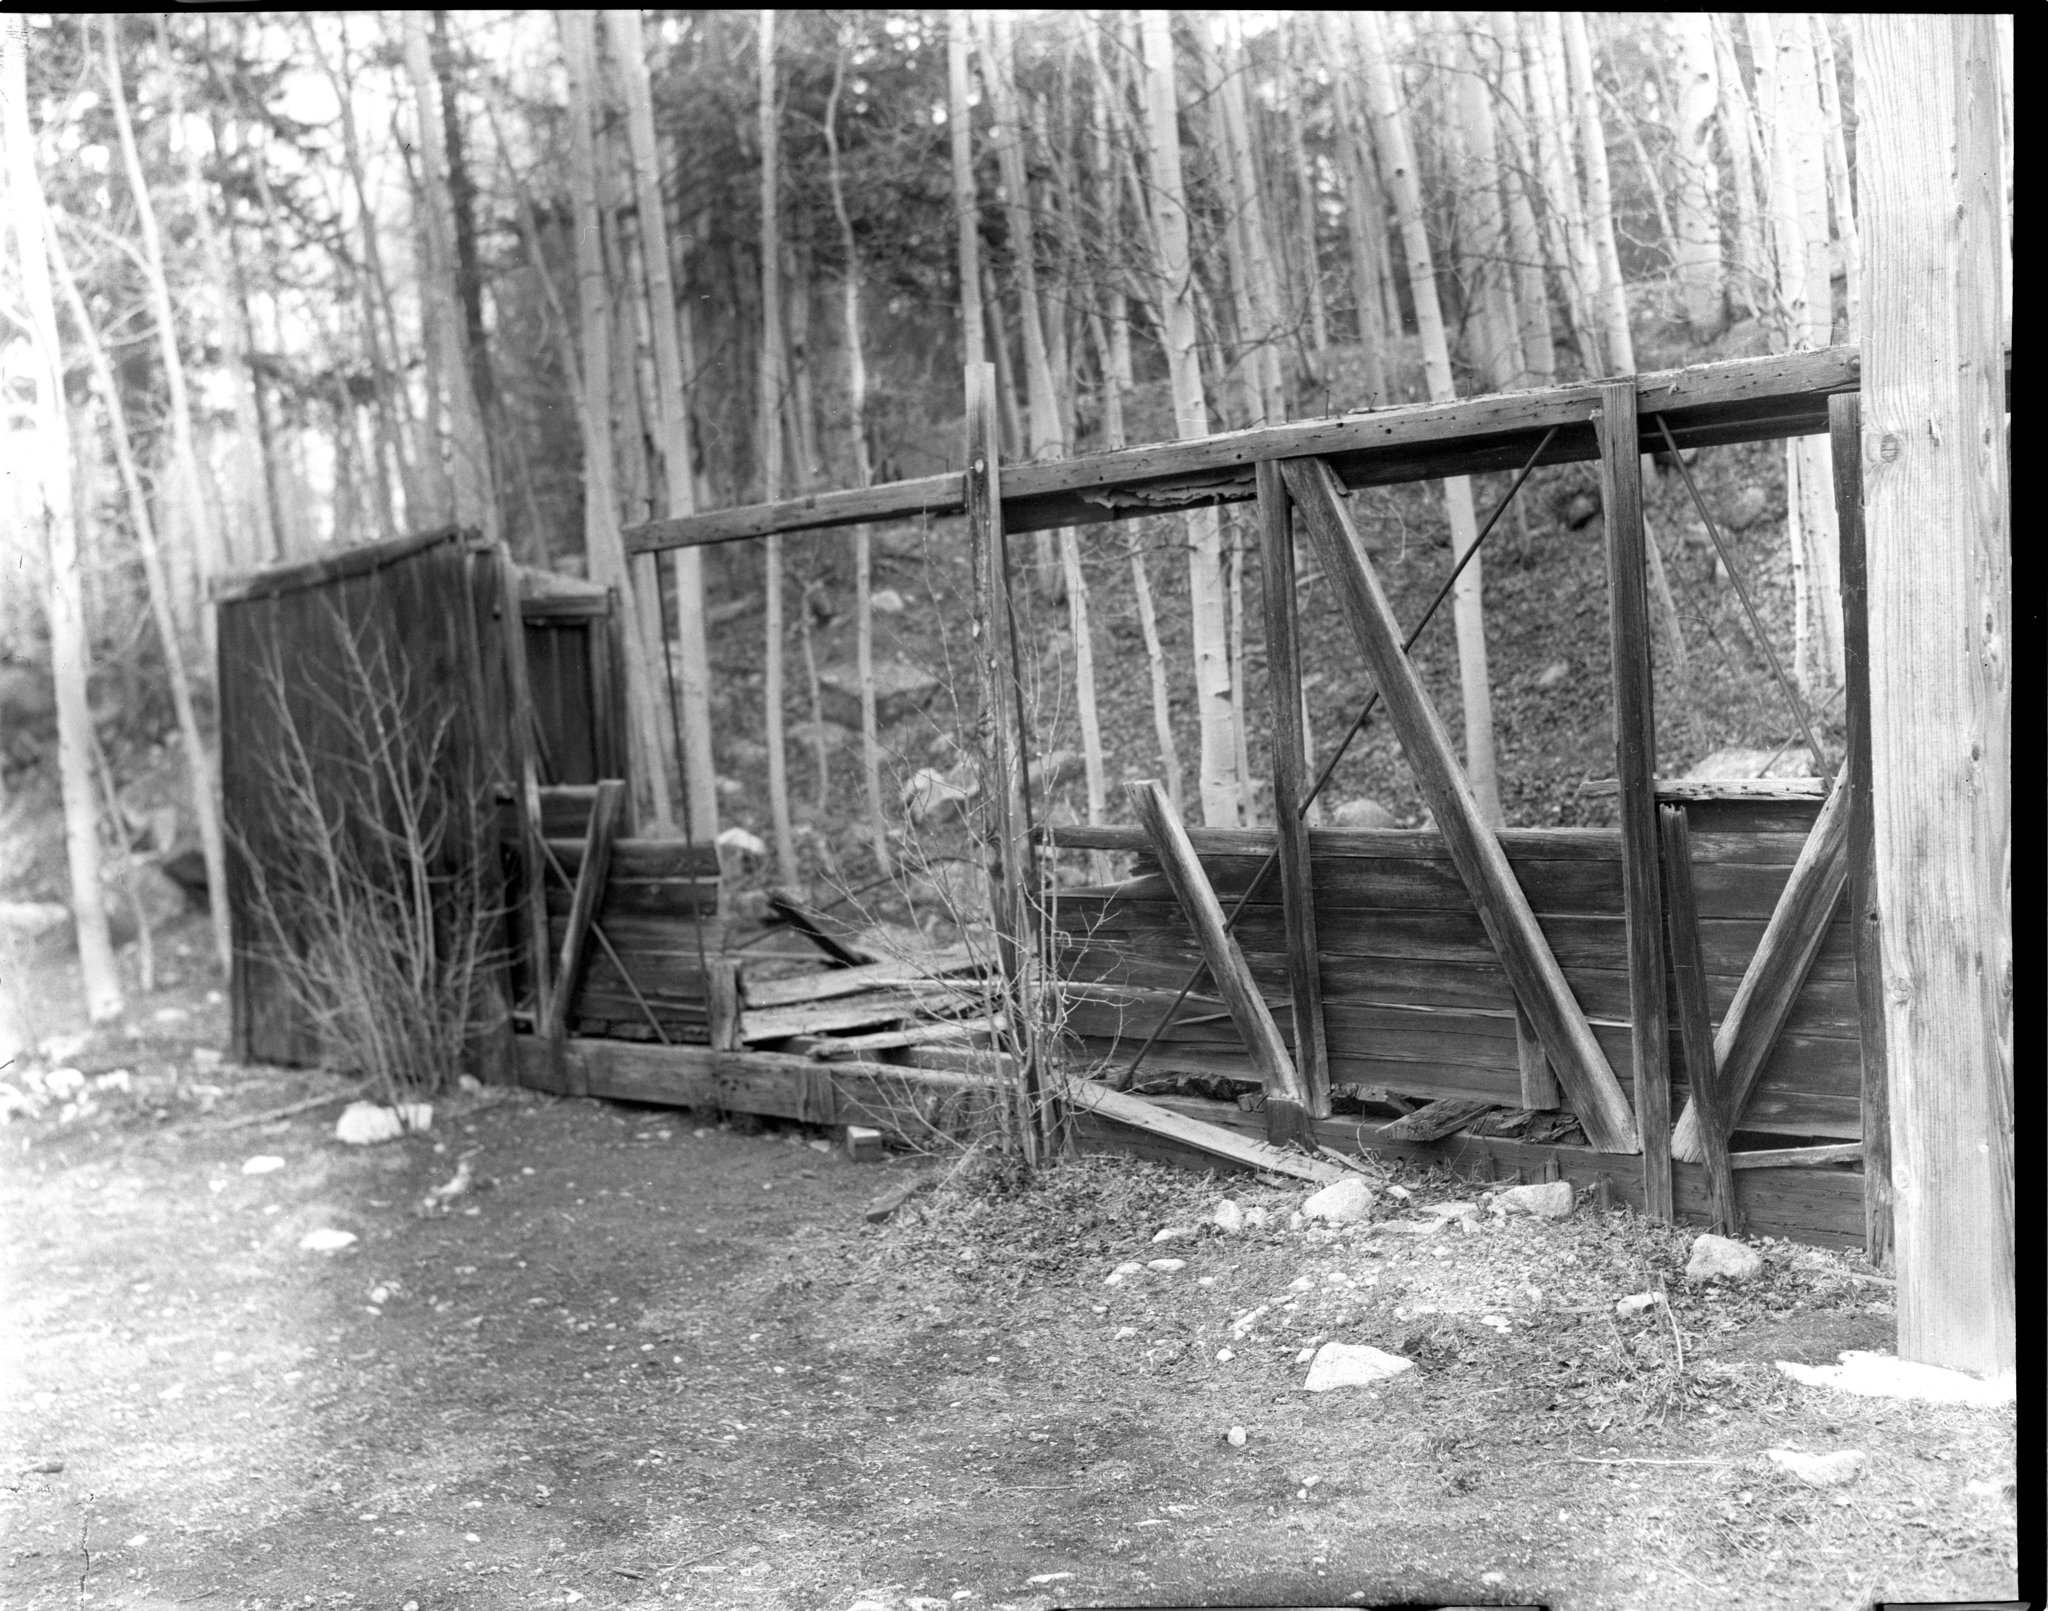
(639, 1365)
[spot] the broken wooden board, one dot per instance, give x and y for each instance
(1139, 1114)
(827, 934)
(831, 982)
(824, 1017)
(1437, 1119)
(1798, 1157)
(964, 1031)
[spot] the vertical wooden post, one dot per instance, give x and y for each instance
(1695, 1026)
(1845, 426)
(526, 784)
(1635, 762)
(1291, 786)
(1012, 883)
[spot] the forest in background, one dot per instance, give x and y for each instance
(280, 283)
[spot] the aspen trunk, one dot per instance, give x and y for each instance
(1611, 296)
(1697, 204)
(863, 470)
(1362, 225)
(966, 210)
(1304, 206)
(770, 403)
(1262, 283)
(677, 431)
(1750, 253)
(1384, 99)
(1525, 242)
(1488, 289)
(191, 500)
(604, 548)
(198, 763)
(1207, 623)
(1938, 518)
(65, 601)
(1564, 204)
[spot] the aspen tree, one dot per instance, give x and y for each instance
(1175, 277)
(199, 529)
(1610, 299)
(1371, 290)
(1750, 252)
(1564, 204)
(1489, 288)
(1383, 97)
(1304, 200)
(1841, 193)
(198, 763)
(1525, 243)
(604, 548)
(1697, 205)
(70, 647)
(677, 431)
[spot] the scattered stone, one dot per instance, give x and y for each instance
(1722, 1258)
(1819, 1470)
(1553, 1199)
(1636, 1302)
(31, 922)
(748, 849)
(1882, 1376)
(1235, 1437)
(1733, 765)
(886, 601)
(119, 1079)
(363, 1124)
(1250, 1318)
(1224, 1356)
(1173, 1233)
(1227, 1216)
(1124, 1333)
(1361, 813)
(44, 1468)
(1581, 510)
(809, 734)
(863, 1144)
(1352, 1365)
(63, 1083)
(210, 1057)
(1500, 1323)
(1123, 1272)
(1343, 1202)
(900, 690)
(262, 1164)
(934, 796)
(1553, 674)
(1256, 1216)
(1167, 1266)
(1468, 1211)
(326, 1241)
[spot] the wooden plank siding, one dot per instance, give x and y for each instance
(1414, 998)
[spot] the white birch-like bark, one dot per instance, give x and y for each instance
(1749, 256)
(1610, 295)
(1384, 98)
(1525, 241)
(1696, 199)
(1841, 192)
(1370, 295)
(770, 438)
(1207, 623)
(678, 436)
(64, 602)
(1564, 206)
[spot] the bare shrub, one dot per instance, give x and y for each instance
(372, 881)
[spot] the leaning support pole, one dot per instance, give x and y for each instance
(1013, 881)
(519, 722)
(1290, 787)
(1845, 415)
(1695, 1027)
(1635, 764)
(1525, 955)
(1286, 1096)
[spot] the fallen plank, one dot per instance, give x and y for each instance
(1797, 1157)
(1435, 1120)
(1142, 1115)
(820, 1018)
(962, 1030)
(820, 930)
(831, 982)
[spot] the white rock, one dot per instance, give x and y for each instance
(1882, 1376)
(1499, 1323)
(1401, 1192)
(886, 601)
(747, 846)
(1553, 1199)
(1235, 1437)
(1124, 1333)
(1343, 1202)
(1453, 1210)
(1819, 1470)
(1553, 674)
(1173, 1233)
(1256, 1216)
(1167, 1266)
(1361, 813)
(326, 1241)
(119, 1080)
(262, 1164)
(468, 1084)
(1304, 1356)
(363, 1123)
(1636, 1302)
(1224, 1356)
(63, 1082)
(932, 795)
(1352, 1365)
(1227, 1216)
(1122, 1273)
(1723, 1258)
(1250, 1318)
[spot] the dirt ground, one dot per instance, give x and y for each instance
(645, 1360)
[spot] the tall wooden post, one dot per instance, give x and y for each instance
(1845, 426)
(519, 721)
(1012, 871)
(1291, 786)
(1635, 764)
(1938, 518)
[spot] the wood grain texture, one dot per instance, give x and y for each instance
(1596, 1095)
(1249, 1014)
(1775, 975)
(1635, 769)
(1696, 1029)
(1291, 783)
(1845, 418)
(594, 868)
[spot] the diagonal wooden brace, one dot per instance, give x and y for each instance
(1777, 973)
(1525, 956)
(1220, 950)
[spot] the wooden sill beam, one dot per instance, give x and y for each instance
(1525, 955)
(1741, 400)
